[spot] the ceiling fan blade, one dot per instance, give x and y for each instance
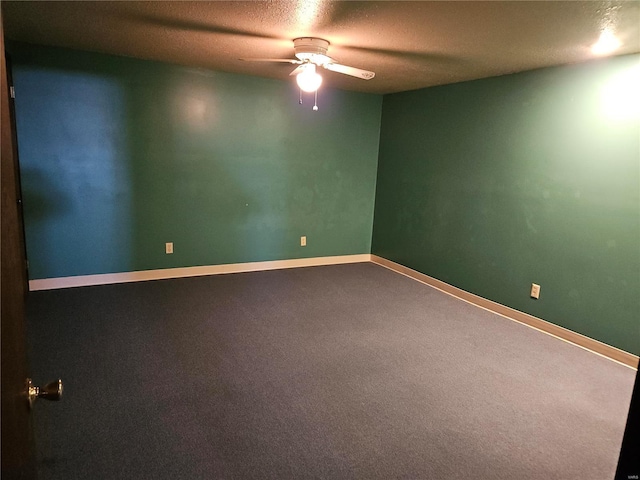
(297, 70)
(352, 71)
(276, 60)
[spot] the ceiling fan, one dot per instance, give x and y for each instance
(310, 53)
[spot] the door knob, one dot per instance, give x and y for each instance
(52, 391)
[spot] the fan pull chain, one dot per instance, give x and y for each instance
(315, 103)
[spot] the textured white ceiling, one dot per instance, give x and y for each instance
(408, 44)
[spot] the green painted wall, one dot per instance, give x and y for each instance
(119, 156)
(494, 184)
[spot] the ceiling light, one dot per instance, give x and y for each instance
(607, 43)
(621, 96)
(308, 80)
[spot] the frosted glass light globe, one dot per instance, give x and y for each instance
(308, 80)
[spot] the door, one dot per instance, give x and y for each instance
(17, 436)
(629, 461)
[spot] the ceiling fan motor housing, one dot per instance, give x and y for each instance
(310, 49)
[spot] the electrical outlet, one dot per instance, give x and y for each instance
(168, 248)
(303, 241)
(535, 290)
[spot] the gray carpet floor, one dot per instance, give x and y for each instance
(337, 372)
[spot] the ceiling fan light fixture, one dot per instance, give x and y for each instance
(309, 80)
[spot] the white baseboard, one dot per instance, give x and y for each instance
(582, 341)
(162, 274)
